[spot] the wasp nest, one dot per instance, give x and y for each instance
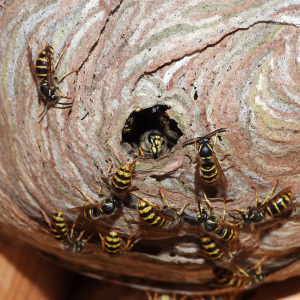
(187, 68)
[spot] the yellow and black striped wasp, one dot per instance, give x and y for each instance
(93, 210)
(112, 243)
(241, 278)
(71, 240)
(151, 131)
(121, 179)
(43, 77)
(154, 216)
(226, 232)
(213, 249)
(209, 176)
(157, 142)
(275, 206)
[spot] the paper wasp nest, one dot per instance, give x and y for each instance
(211, 66)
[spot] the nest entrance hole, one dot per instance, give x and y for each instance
(151, 131)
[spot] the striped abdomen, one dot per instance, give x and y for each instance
(58, 226)
(229, 279)
(279, 203)
(211, 249)
(147, 213)
(91, 213)
(112, 243)
(209, 172)
(122, 178)
(227, 233)
(42, 63)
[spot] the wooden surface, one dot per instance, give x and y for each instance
(233, 65)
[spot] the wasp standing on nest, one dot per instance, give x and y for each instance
(276, 206)
(154, 216)
(213, 249)
(121, 179)
(71, 241)
(93, 210)
(112, 243)
(241, 278)
(225, 231)
(43, 77)
(209, 176)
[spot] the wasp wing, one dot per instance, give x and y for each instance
(84, 207)
(32, 69)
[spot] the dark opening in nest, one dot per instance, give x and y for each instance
(151, 131)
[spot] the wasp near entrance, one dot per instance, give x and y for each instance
(43, 73)
(209, 176)
(151, 131)
(121, 179)
(154, 216)
(93, 210)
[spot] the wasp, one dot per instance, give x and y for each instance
(213, 250)
(241, 278)
(154, 216)
(71, 241)
(43, 77)
(209, 176)
(277, 205)
(121, 179)
(226, 232)
(93, 210)
(112, 244)
(156, 142)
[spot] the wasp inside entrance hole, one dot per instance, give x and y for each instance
(151, 131)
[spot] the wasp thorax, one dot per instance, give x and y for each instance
(151, 131)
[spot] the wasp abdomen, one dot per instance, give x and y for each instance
(211, 249)
(112, 243)
(279, 203)
(59, 228)
(122, 178)
(42, 64)
(209, 172)
(147, 214)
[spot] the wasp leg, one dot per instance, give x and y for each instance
(102, 241)
(129, 243)
(87, 239)
(163, 197)
(207, 201)
(256, 197)
(72, 228)
(84, 195)
(271, 193)
(46, 218)
(179, 213)
(63, 95)
(142, 152)
(146, 200)
(58, 80)
(58, 59)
